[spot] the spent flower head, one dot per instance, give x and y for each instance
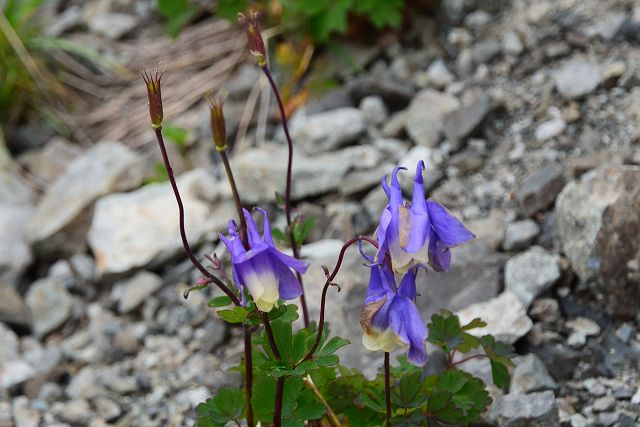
(254, 37)
(154, 94)
(218, 129)
(262, 269)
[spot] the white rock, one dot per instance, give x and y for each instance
(135, 290)
(136, 229)
(15, 252)
(9, 347)
(50, 305)
(439, 75)
(577, 77)
(426, 115)
(23, 414)
(374, 110)
(519, 234)
(113, 25)
(14, 373)
(584, 326)
(505, 316)
(327, 130)
(550, 129)
(530, 273)
(63, 215)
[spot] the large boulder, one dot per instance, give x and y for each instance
(61, 220)
(598, 221)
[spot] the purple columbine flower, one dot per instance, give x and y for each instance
(390, 318)
(420, 232)
(262, 269)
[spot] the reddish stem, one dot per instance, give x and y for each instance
(466, 359)
(387, 386)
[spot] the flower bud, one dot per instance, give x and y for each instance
(254, 38)
(218, 129)
(154, 94)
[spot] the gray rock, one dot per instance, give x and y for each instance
(576, 78)
(530, 273)
(583, 326)
(538, 191)
(107, 409)
(468, 119)
(598, 219)
(15, 252)
(13, 310)
(113, 25)
(511, 43)
(431, 175)
(49, 162)
(374, 110)
(426, 114)
(141, 228)
(84, 384)
(133, 292)
(550, 129)
(519, 235)
(14, 190)
(77, 411)
(264, 171)
(486, 50)
(505, 315)
(327, 130)
(23, 414)
(604, 404)
(490, 229)
(14, 373)
(6, 419)
(9, 348)
(438, 75)
(62, 217)
(526, 410)
(50, 305)
(530, 375)
(474, 277)
(625, 332)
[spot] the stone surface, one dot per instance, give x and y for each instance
(550, 129)
(13, 189)
(539, 190)
(426, 115)
(9, 348)
(431, 175)
(597, 218)
(264, 174)
(51, 161)
(526, 410)
(50, 305)
(14, 373)
(15, 252)
(438, 75)
(140, 228)
(576, 78)
(374, 110)
(505, 315)
(519, 235)
(468, 119)
(530, 375)
(63, 215)
(132, 292)
(13, 310)
(23, 414)
(327, 130)
(113, 25)
(530, 273)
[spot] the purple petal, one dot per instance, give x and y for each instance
(381, 284)
(252, 229)
(448, 229)
(408, 285)
(439, 254)
(385, 186)
(268, 239)
(288, 284)
(406, 322)
(298, 265)
(385, 220)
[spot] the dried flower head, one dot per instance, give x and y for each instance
(254, 37)
(218, 129)
(154, 94)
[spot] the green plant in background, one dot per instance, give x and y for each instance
(177, 14)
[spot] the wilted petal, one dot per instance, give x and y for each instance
(447, 228)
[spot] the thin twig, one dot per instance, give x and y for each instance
(333, 419)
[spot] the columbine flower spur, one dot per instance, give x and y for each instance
(390, 318)
(418, 233)
(262, 269)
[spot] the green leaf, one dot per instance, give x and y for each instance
(280, 235)
(467, 394)
(332, 346)
(225, 406)
(381, 13)
(330, 360)
(475, 323)
(445, 331)
(282, 333)
(322, 25)
(408, 388)
(176, 134)
(221, 301)
(229, 9)
(177, 13)
(301, 230)
(234, 315)
(500, 374)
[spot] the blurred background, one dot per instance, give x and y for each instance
(525, 111)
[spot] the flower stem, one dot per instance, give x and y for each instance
(387, 386)
(277, 410)
(183, 234)
(328, 283)
(267, 328)
(287, 191)
(333, 419)
(248, 374)
(236, 198)
(466, 359)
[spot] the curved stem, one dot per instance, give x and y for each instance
(244, 235)
(248, 374)
(333, 419)
(466, 359)
(328, 283)
(287, 191)
(387, 386)
(183, 234)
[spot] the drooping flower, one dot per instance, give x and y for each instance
(262, 269)
(390, 318)
(417, 233)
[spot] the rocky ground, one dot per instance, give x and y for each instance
(526, 113)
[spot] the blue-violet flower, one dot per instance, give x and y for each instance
(262, 269)
(390, 318)
(420, 232)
